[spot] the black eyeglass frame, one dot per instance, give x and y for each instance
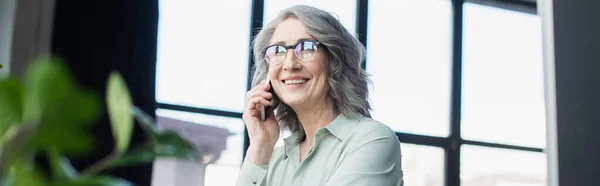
(288, 47)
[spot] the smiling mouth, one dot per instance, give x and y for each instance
(295, 81)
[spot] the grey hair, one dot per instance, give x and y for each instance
(347, 81)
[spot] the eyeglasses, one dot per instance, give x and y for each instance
(303, 50)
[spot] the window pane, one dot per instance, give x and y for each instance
(198, 64)
(501, 167)
(345, 11)
(502, 77)
(221, 136)
(422, 165)
(409, 59)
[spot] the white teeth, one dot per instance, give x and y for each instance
(295, 81)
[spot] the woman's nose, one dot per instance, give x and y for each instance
(291, 62)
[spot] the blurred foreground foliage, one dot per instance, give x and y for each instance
(47, 114)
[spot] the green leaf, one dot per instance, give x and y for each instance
(15, 145)
(25, 174)
(167, 144)
(146, 121)
(136, 157)
(68, 141)
(1, 66)
(68, 130)
(119, 110)
(48, 84)
(94, 181)
(62, 110)
(144, 154)
(162, 144)
(11, 107)
(61, 166)
(170, 144)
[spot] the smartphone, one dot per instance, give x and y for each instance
(263, 112)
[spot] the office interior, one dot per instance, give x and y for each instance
(479, 92)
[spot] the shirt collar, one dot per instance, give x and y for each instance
(340, 127)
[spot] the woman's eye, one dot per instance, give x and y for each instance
(308, 46)
(281, 50)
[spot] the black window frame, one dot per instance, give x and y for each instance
(450, 144)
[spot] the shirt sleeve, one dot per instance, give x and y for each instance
(252, 174)
(375, 160)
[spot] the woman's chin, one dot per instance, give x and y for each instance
(293, 102)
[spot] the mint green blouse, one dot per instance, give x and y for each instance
(348, 151)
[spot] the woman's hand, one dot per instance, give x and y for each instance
(263, 134)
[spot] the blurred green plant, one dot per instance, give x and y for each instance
(1, 66)
(48, 114)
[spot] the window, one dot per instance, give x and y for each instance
(345, 11)
(203, 66)
(501, 167)
(422, 165)
(411, 52)
(220, 137)
(503, 92)
(409, 60)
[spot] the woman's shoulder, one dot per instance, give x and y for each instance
(374, 136)
(371, 128)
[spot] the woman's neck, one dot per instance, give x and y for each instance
(314, 118)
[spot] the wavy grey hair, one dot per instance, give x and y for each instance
(347, 81)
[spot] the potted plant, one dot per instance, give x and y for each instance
(47, 114)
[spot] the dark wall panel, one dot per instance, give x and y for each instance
(95, 37)
(577, 59)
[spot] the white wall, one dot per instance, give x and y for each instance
(7, 11)
(174, 172)
(545, 10)
(25, 33)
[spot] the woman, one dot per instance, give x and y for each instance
(318, 91)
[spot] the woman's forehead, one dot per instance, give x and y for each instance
(289, 32)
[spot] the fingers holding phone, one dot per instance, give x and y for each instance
(257, 98)
(263, 129)
(263, 114)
